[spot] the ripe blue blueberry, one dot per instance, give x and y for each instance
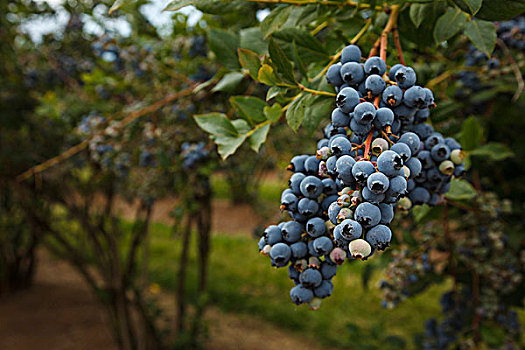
(351, 53)
(364, 113)
(340, 145)
(375, 65)
(311, 187)
(419, 195)
(311, 278)
(315, 227)
(415, 97)
(299, 250)
(307, 207)
(280, 254)
(379, 237)
(297, 164)
(324, 290)
(291, 231)
(393, 96)
(374, 85)
(333, 75)
(295, 183)
(414, 165)
(412, 140)
(311, 165)
(352, 73)
(384, 117)
(339, 118)
(346, 100)
(272, 235)
(362, 170)
(403, 150)
(398, 187)
(389, 163)
(367, 214)
(440, 152)
(300, 294)
(333, 211)
(377, 183)
(405, 77)
(387, 213)
(323, 245)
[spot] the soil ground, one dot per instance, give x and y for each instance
(59, 312)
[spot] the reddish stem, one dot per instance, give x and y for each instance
(368, 143)
(397, 42)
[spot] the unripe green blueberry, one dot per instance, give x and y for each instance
(314, 262)
(315, 304)
(345, 213)
(379, 145)
(406, 170)
(404, 203)
(323, 153)
(338, 256)
(446, 167)
(359, 248)
(458, 156)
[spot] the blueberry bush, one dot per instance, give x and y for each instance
(400, 122)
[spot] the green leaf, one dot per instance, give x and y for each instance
(420, 13)
(250, 61)
(494, 151)
(298, 61)
(275, 91)
(252, 39)
(280, 61)
(471, 134)
(267, 76)
(229, 82)
(224, 44)
(258, 137)
(228, 145)
(177, 5)
(250, 108)
(241, 125)
(470, 6)
(449, 24)
(420, 211)
(216, 124)
(275, 20)
(274, 112)
(318, 108)
(460, 190)
(303, 39)
(219, 7)
(497, 10)
(118, 4)
(424, 34)
(296, 112)
(482, 34)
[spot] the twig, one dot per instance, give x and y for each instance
(397, 42)
(316, 92)
(392, 22)
(515, 69)
(82, 145)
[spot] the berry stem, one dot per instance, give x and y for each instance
(375, 48)
(397, 42)
(338, 55)
(515, 69)
(390, 25)
(316, 92)
(368, 143)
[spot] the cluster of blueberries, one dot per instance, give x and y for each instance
(193, 153)
(378, 153)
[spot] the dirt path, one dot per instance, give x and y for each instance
(59, 312)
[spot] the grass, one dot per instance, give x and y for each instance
(240, 281)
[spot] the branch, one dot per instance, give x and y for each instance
(515, 69)
(316, 92)
(358, 5)
(82, 145)
(390, 25)
(399, 49)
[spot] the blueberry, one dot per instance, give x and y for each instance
(325, 204)
(393, 70)
(295, 183)
(384, 117)
(352, 73)
(415, 97)
(289, 202)
(414, 165)
(324, 290)
(375, 84)
(377, 183)
(328, 270)
(398, 187)
(291, 231)
(419, 195)
(403, 150)
(375, 65)
(340, 146)
(452, 144)
(360, 249)
(280, 254)
(300, 294)
(379, 237)
(404, 113)
(333, 211)
(433, 140)
(389, 163)
(339, 239)
(321, 144)
(412, 140)
(311, 278)
(367, 214)
(459, 171)
(315, 227)
(379, 145)
(350, 229)
(272, 235)
(299, 250)
(339, 118)
(426, 159)
(405, 77)
(440, 152)
(311, 165)
(333, 75)
(293, 274)
(261, 243)
(351, 53)
(311, 187)
(387, 213)
(362, 170)
(329, 187)
(307, 207)
(323, 245)
(337, 255)
(446, 167)
(392, 96)
(346, 100)
(364, 113)
(372, 197)
(359, 129)
(422, 115)
(423, 130)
